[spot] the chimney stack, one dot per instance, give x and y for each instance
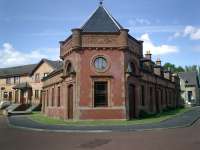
(148, 55)
(158, 68)
(158, 62)
(167, 74)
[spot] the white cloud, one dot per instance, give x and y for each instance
(9, 56)
(157, 49)
(189, 31)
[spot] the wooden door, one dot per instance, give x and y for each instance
(132, 107)
(70, 102)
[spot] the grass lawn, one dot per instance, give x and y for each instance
(38, 117)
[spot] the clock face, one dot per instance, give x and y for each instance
(100, 63)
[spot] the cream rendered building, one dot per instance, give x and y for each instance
(22, 84)
(190, 87)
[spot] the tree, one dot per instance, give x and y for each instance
(179, 69)
(170, 66)
(192, 68)
(173, 68)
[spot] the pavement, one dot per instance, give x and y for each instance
(183, 120)
(187, 138)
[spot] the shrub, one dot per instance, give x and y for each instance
(144, 114)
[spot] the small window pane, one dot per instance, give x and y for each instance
(100, 63)
(100, 94)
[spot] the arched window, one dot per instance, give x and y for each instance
(131, 68)
(69, 68)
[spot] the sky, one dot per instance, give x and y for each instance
(31, 29)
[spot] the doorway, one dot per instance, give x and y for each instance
(70, 102)
(10, 96)
(132, 104)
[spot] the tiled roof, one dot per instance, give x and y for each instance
(27, 69)
(54, 64)
(17, 71)
(101, 21)
(190, 77)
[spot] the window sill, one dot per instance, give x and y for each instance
(98, 108)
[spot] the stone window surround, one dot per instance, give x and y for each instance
(101, 79)
(106, 57)
(134, 67)
(100, 63)
(68, 71)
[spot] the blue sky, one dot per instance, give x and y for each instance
(31, 29)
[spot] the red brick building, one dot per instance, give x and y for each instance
(105, 75)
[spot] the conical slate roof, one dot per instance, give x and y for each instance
(101, 21)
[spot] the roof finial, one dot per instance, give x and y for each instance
(100, 2)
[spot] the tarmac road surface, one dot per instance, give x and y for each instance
(166, 139)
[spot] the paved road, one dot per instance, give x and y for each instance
(168, 139)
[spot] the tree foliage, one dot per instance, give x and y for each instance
(173, 68)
